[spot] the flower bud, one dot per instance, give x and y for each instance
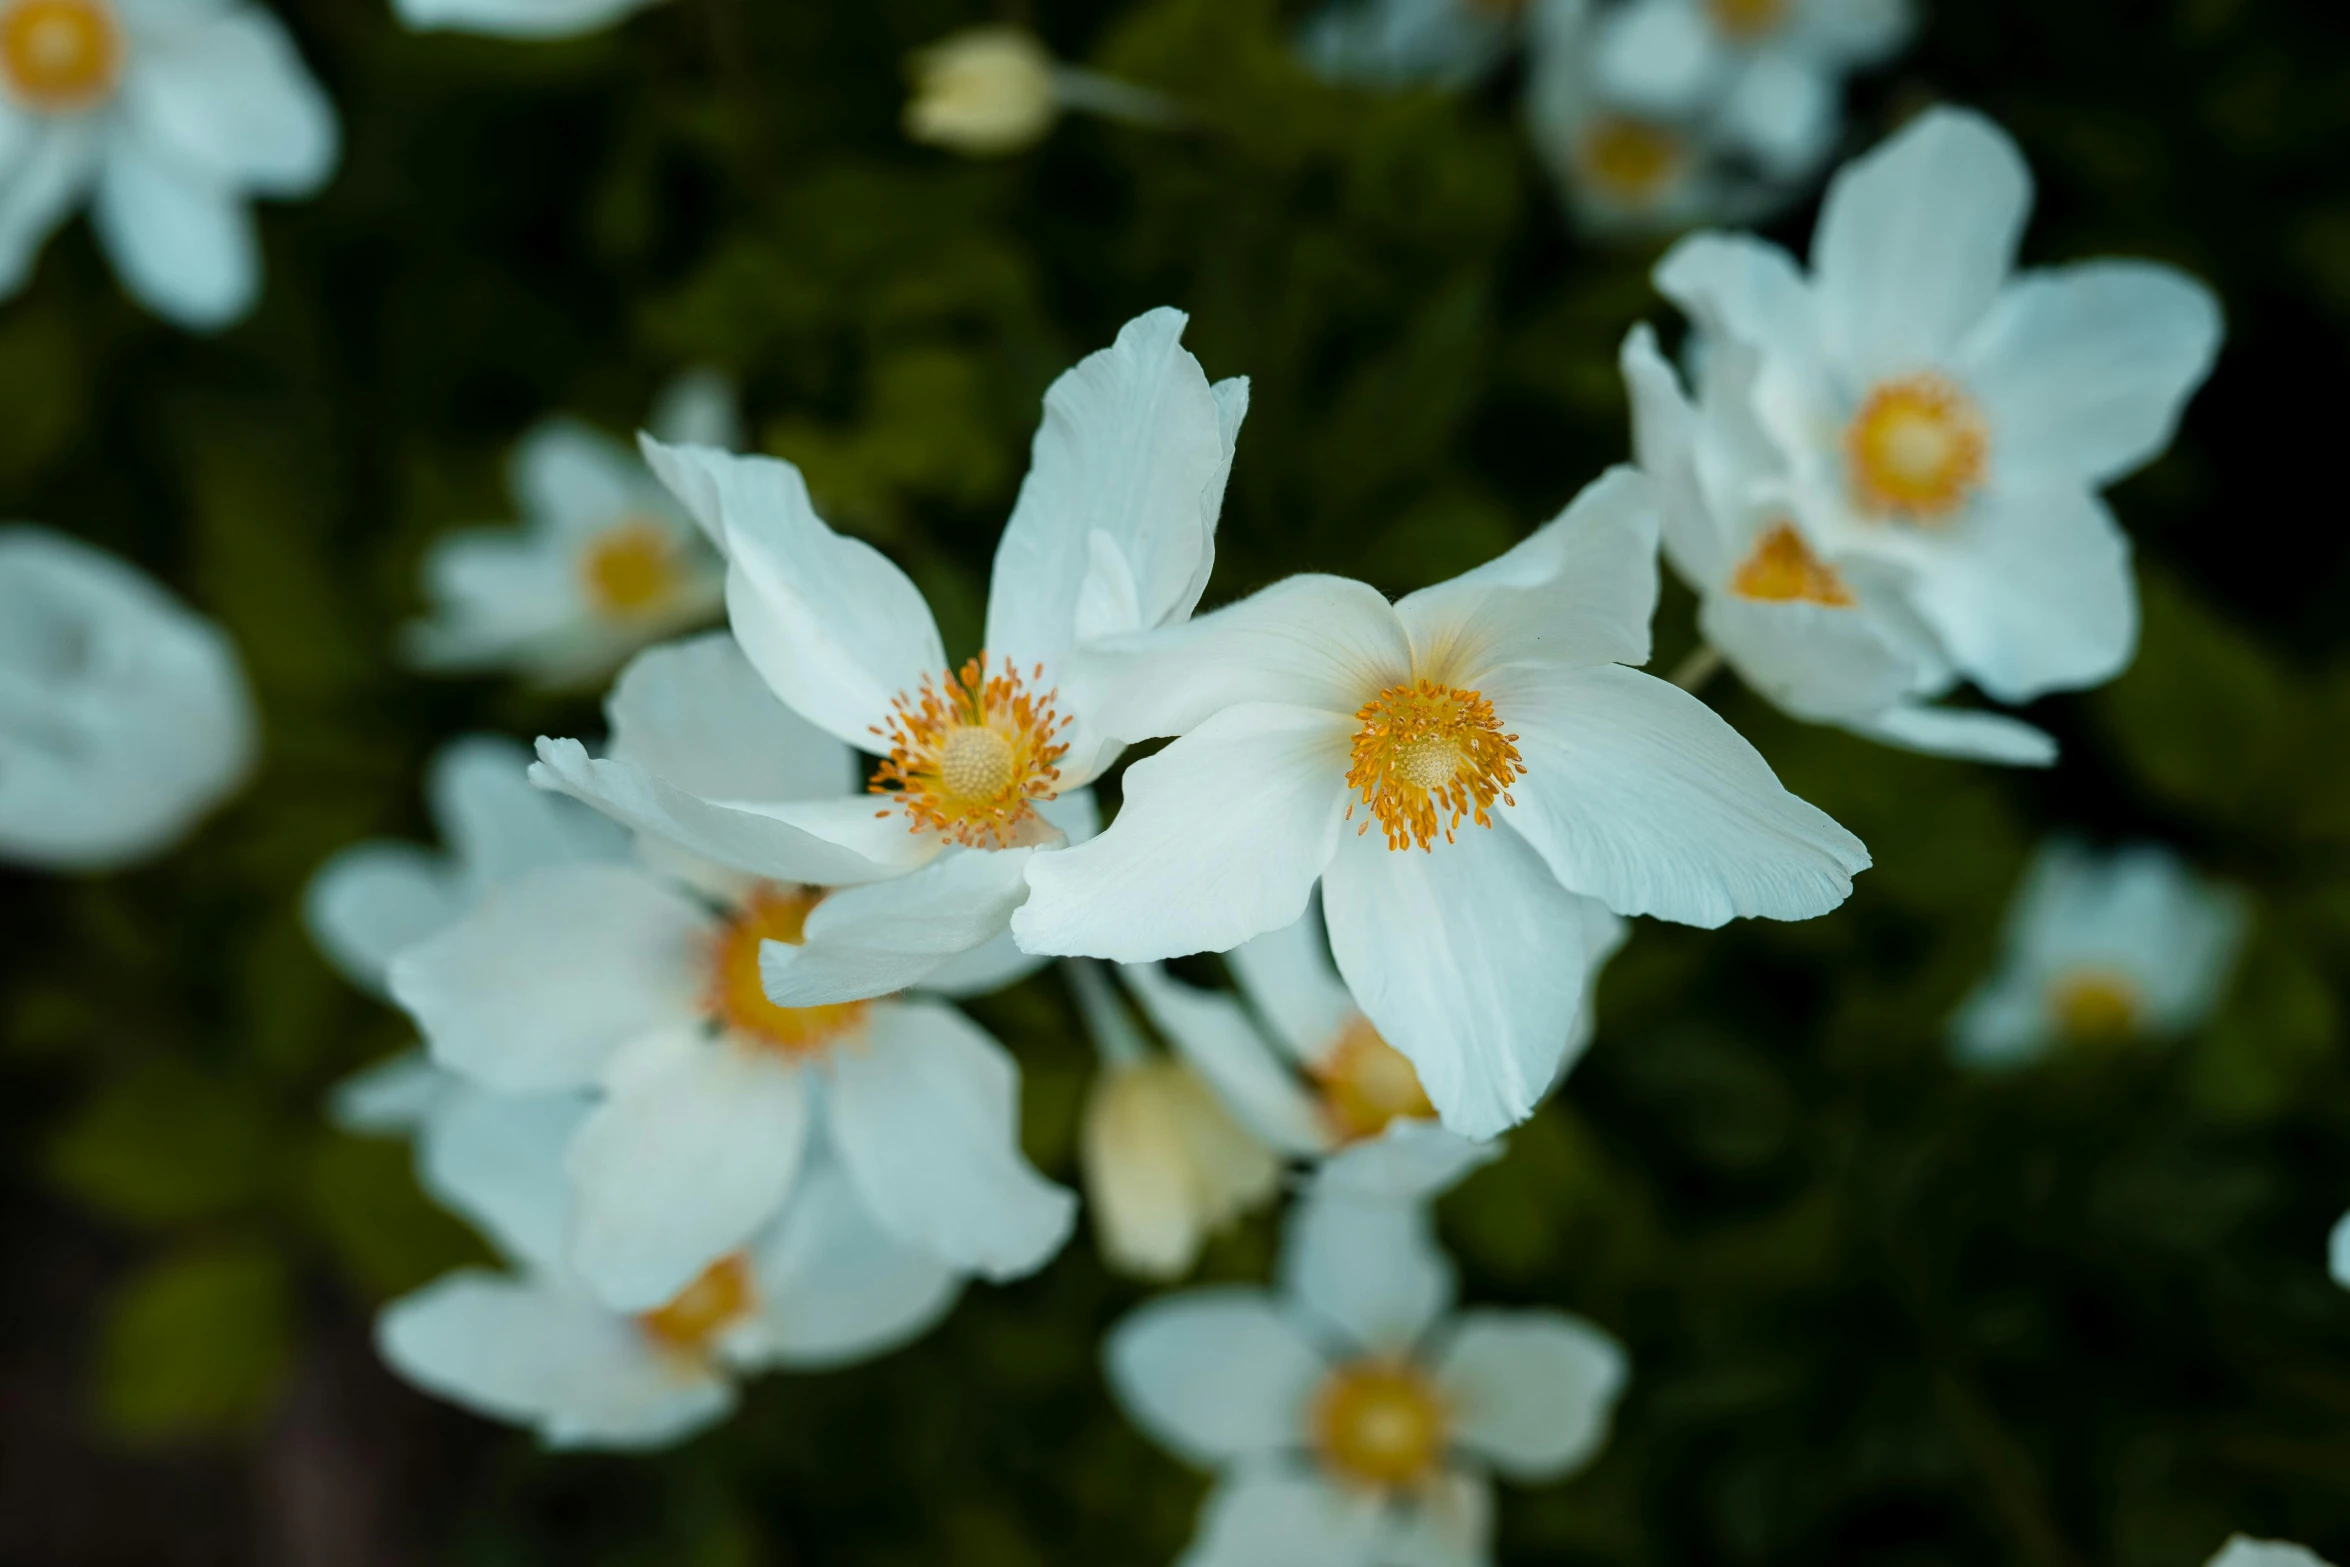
(1166, 1165)
(983, 91)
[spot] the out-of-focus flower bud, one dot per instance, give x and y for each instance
(984, 91)
(1166, 1166)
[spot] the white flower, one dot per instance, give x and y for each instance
(1946, 419)
(2244, 1551)
(2102, 949)
(983, 767)
(515, 18)
(2338, 1253)
(1403, 43)
(169, 114)
(123, 716)
(823, 1286)
(1353, 1417)
(605, 562)
(1166, 1164)
(1764, 77)
(988, 91)
(1460, 770)
(1831, 641)
(644, 985)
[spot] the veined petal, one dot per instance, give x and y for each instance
(1366, 1267)
(1217, 1037)
(1220, 838)
(696, 715)
(1639, 795)
(1532, 1391)
(496, 1160)
(870, 941)
(1263, 1516)
(837, 1287)
(833, 626)
(926, 1119)
(1214, 1374)
(1289, 976)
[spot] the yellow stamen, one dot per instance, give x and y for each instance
(723, 1295)
(1367, 1083)
(2096, 1006)
(1630, 160)
(58, 56)
(1748, 20)
(630, 569)
(1783, 570)
(1380, 1424)
(1917, 450)
(1426, 752)
(969, 757)
(736, 996)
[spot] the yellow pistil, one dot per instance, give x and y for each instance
(2096, 1006)
(737, 998)
(723, 1295)
(1917, 451)
(1749, 20)
(1380, 1424)
(1630, 160)
(1367, 1083)
(1783, 570)
(1427, 758)
(968, 758)
(58, 56)
(630, 570)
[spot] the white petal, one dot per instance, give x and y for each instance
(231, 99)
(1822, 662)
(1214, 1374)
(2003, 1023)
(54, 164)
(496, 1160)
(1660, 57)
(1289, 976)
(503, 599)
(392, 1097)
(2338, 1252)
(674, 1172)
(1369, 1268)
(553, 973)
(926, 1118)
(698, 406)
(1267, 1517)
(1664, 440)
(1448, 1523)
(1783, 109)
(1637, 794)
(497, 825)
(1217, 1037)
(1533, 1391)
(2083, 371)
(1220, 838)
(836, 629)
(372, 902)
(1468, 958)
(1745, 290)
(181, 242)
(870, 941)
(987, 968)
(1400, 43)
(1315, 642)
(515, 18)
(572, 481)
(1411, 1161)
(2244, 1551)
(1914, 242)
(534, 1354)
(837, 1287)
(1579, 591)
(1963, 732)
(696, 715)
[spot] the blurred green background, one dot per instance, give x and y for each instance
(1878, 1311)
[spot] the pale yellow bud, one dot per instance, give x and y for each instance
(983, 91)
(1166, 1166)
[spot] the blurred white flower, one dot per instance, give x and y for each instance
(2101, 949)
(1405, 43)
(1953, 422)
(984, 767)
(989, 91)
(124, 717)
(2338, 1253)
(169, 115)
(1829, 640)
(2244, 1551)
(1353, 1418)
(823, 1286)
(515, 18)
(1461, 771)
(604, 563)
(643, 983)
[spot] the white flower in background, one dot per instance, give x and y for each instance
(169, 115)
(533, 19)
(1406, 43)
(1460, 770)
(124, 717)
(822, 1287)
(2338, 1253)
(1765, 78)
(989, 91)
(643, 984)
(1830, 641)
(1948, 419)
(2101, 949)
(984, 767)
(1166, 1164)
(1353, 1417)
(605, 563)
(2244, 1551)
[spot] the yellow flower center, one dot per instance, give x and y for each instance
(737, 997)
(723, 1295)
(1917, 450)
(2096, 1006)
(630, 569)
(1783, 570)
(60, 55)
(1630, 160)
(970, 756)
(1427, 758)
(1749, 20)
(1380, 1424)
(1367, 1083)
